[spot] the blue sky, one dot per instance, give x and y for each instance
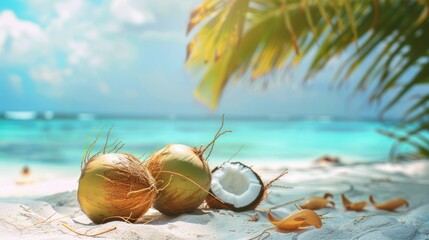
(127, 57)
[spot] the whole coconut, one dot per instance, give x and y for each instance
(115, 186)
(183, 178)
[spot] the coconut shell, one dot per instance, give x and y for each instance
(183, 179)
(115, 186)
(213, 202)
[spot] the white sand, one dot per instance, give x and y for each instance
(32, 212)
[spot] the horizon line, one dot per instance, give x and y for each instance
(50, 115)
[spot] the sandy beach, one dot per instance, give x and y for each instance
(44, 209)
(327, 101)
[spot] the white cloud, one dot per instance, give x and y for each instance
(164, 35)
(53, 82)
(176, 7)
(131, 13)
(3, 36)
(16, 83)
(68, 9)
(48, 75)
(76, 44)
(22, 36)
(79, 50)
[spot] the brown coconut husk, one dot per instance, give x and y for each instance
(155, 166)
(130, 188)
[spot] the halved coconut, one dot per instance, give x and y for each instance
(237, 186)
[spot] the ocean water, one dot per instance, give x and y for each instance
(61, 141)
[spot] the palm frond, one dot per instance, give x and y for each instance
(233, 39)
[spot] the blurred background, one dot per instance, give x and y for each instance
(68, 67)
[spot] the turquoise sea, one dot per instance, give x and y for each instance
(61, 141)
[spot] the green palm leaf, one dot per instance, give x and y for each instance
(234, 39)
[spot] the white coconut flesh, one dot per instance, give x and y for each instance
(235, 184)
